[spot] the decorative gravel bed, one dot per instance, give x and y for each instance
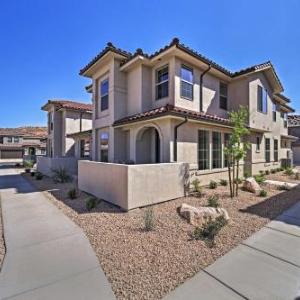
(2, 245)
(148, 265)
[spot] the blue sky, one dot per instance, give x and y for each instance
(44, 43)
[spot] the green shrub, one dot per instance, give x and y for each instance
(223, 182)
(61, 175)
(273, 171)
(28, 164)
(259, 178)
(212, 185)
(289, 171)
(149, 219)
(91, 203)
(196, 185)
(263, 193)
(267, 172)
(72, 193)
(238, 180)
(297, 176)
(209, 230)
(213, 201)
(39, 176)
(278, 169)
(247, 174)
(261, 172)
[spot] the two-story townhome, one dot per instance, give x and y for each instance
(294, 129)
(172, 106)
(66, 117)
(15, 143)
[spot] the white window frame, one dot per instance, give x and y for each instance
(161, 82)
(223, 95)
(191, 83)
(103, 95)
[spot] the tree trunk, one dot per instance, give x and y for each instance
(237, 177)
(233, 175)
(229, 177)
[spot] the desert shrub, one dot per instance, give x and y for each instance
(213, 201)
(91, 203)
(223, 182)
(72, 193)
(263, 193)
(60, 175)
(28, 164)
(273, 171)
(259, 178)
(297, 176)
(213, 184)
(196, 187)
(39, 176)
(267, 172)
(237, 180)
(261, 172)
(149, 219)
(278, 169)
(209, 230)
(246, 174)
(289, 171)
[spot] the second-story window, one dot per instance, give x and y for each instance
(104, 94)
(262, 99)
(223, 95)
(9, 139)
(16, 139)
(274, 112)
(285, 122)
(186, 85)
(162, 82)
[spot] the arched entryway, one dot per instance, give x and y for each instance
(148, 146)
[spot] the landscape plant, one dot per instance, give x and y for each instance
(39, 176)
(267, 172)
(213, 184)
(196, 186)
(263, 193)
(213, 201)
(72, 193)
(259, 178)
(289, 171)
(149, 219)
(297, 176)
(91, 203)
(60, 175)
(236, 148)
(223, 182)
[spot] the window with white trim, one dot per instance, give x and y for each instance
(275, 150)
(162, 82)
(203, 150)
(267, 150)
(216, 150)
(186, 83)
(104, 86)
(274, 109)
(223, 95)
(104, 146)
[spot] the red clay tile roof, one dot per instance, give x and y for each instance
(26, 131)
(294, 120)
(68, 104)
(172, 111)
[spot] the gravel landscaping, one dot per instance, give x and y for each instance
(148, 264)
(2, 245)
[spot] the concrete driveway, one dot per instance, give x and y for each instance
(264, 267)
(48, 256)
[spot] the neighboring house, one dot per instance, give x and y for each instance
(82, 144)
(172, 106)
(64, 118)
(294, 129)
(17, 142)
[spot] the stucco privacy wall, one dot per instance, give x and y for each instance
(132, 186)
(45, 165)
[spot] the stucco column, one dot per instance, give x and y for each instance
(132, 144)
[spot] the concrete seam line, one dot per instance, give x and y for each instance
(53, 282)
(49, 241)
(225, 284)
(285, 215)
(275, 229)
(274, 256)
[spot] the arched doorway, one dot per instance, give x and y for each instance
(148, 146)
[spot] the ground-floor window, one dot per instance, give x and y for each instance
(267, 150)
(216, 150)
(203, 150)
(275, 150)
(104, 146)
(84, 148)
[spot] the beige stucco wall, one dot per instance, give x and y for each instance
(45, 164)
(137, 185)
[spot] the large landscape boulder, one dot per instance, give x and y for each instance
(251, 185)
(281, 184)
(199, 215)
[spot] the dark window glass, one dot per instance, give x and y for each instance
(262, 99)
(9, 139)
(162, 83)
(226, 143)
(16, 139)
(257, 143)
(203, 150)
(104, 147)
(267, 150)
(216, 150)
(186, 83)
(223, 95)
(84, 148)
(275, 150)
(274, 112)
(104, 94)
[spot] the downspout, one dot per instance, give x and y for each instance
(201, 87)
(80, 122)
(175, 137)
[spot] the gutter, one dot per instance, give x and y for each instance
(175, 137)
(201, 87)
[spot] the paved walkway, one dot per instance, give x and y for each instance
(48, 256)
(266, 266)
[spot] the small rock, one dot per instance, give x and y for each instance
(199, 215)
(251, 185)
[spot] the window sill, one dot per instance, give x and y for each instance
(162, 98)
(185, 98)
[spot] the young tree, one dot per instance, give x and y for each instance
(237, 147)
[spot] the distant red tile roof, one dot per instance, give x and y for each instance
(68, 104)
(172, 111)
(26, 131)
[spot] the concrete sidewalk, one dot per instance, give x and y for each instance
(265, 266)
(48, 256)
